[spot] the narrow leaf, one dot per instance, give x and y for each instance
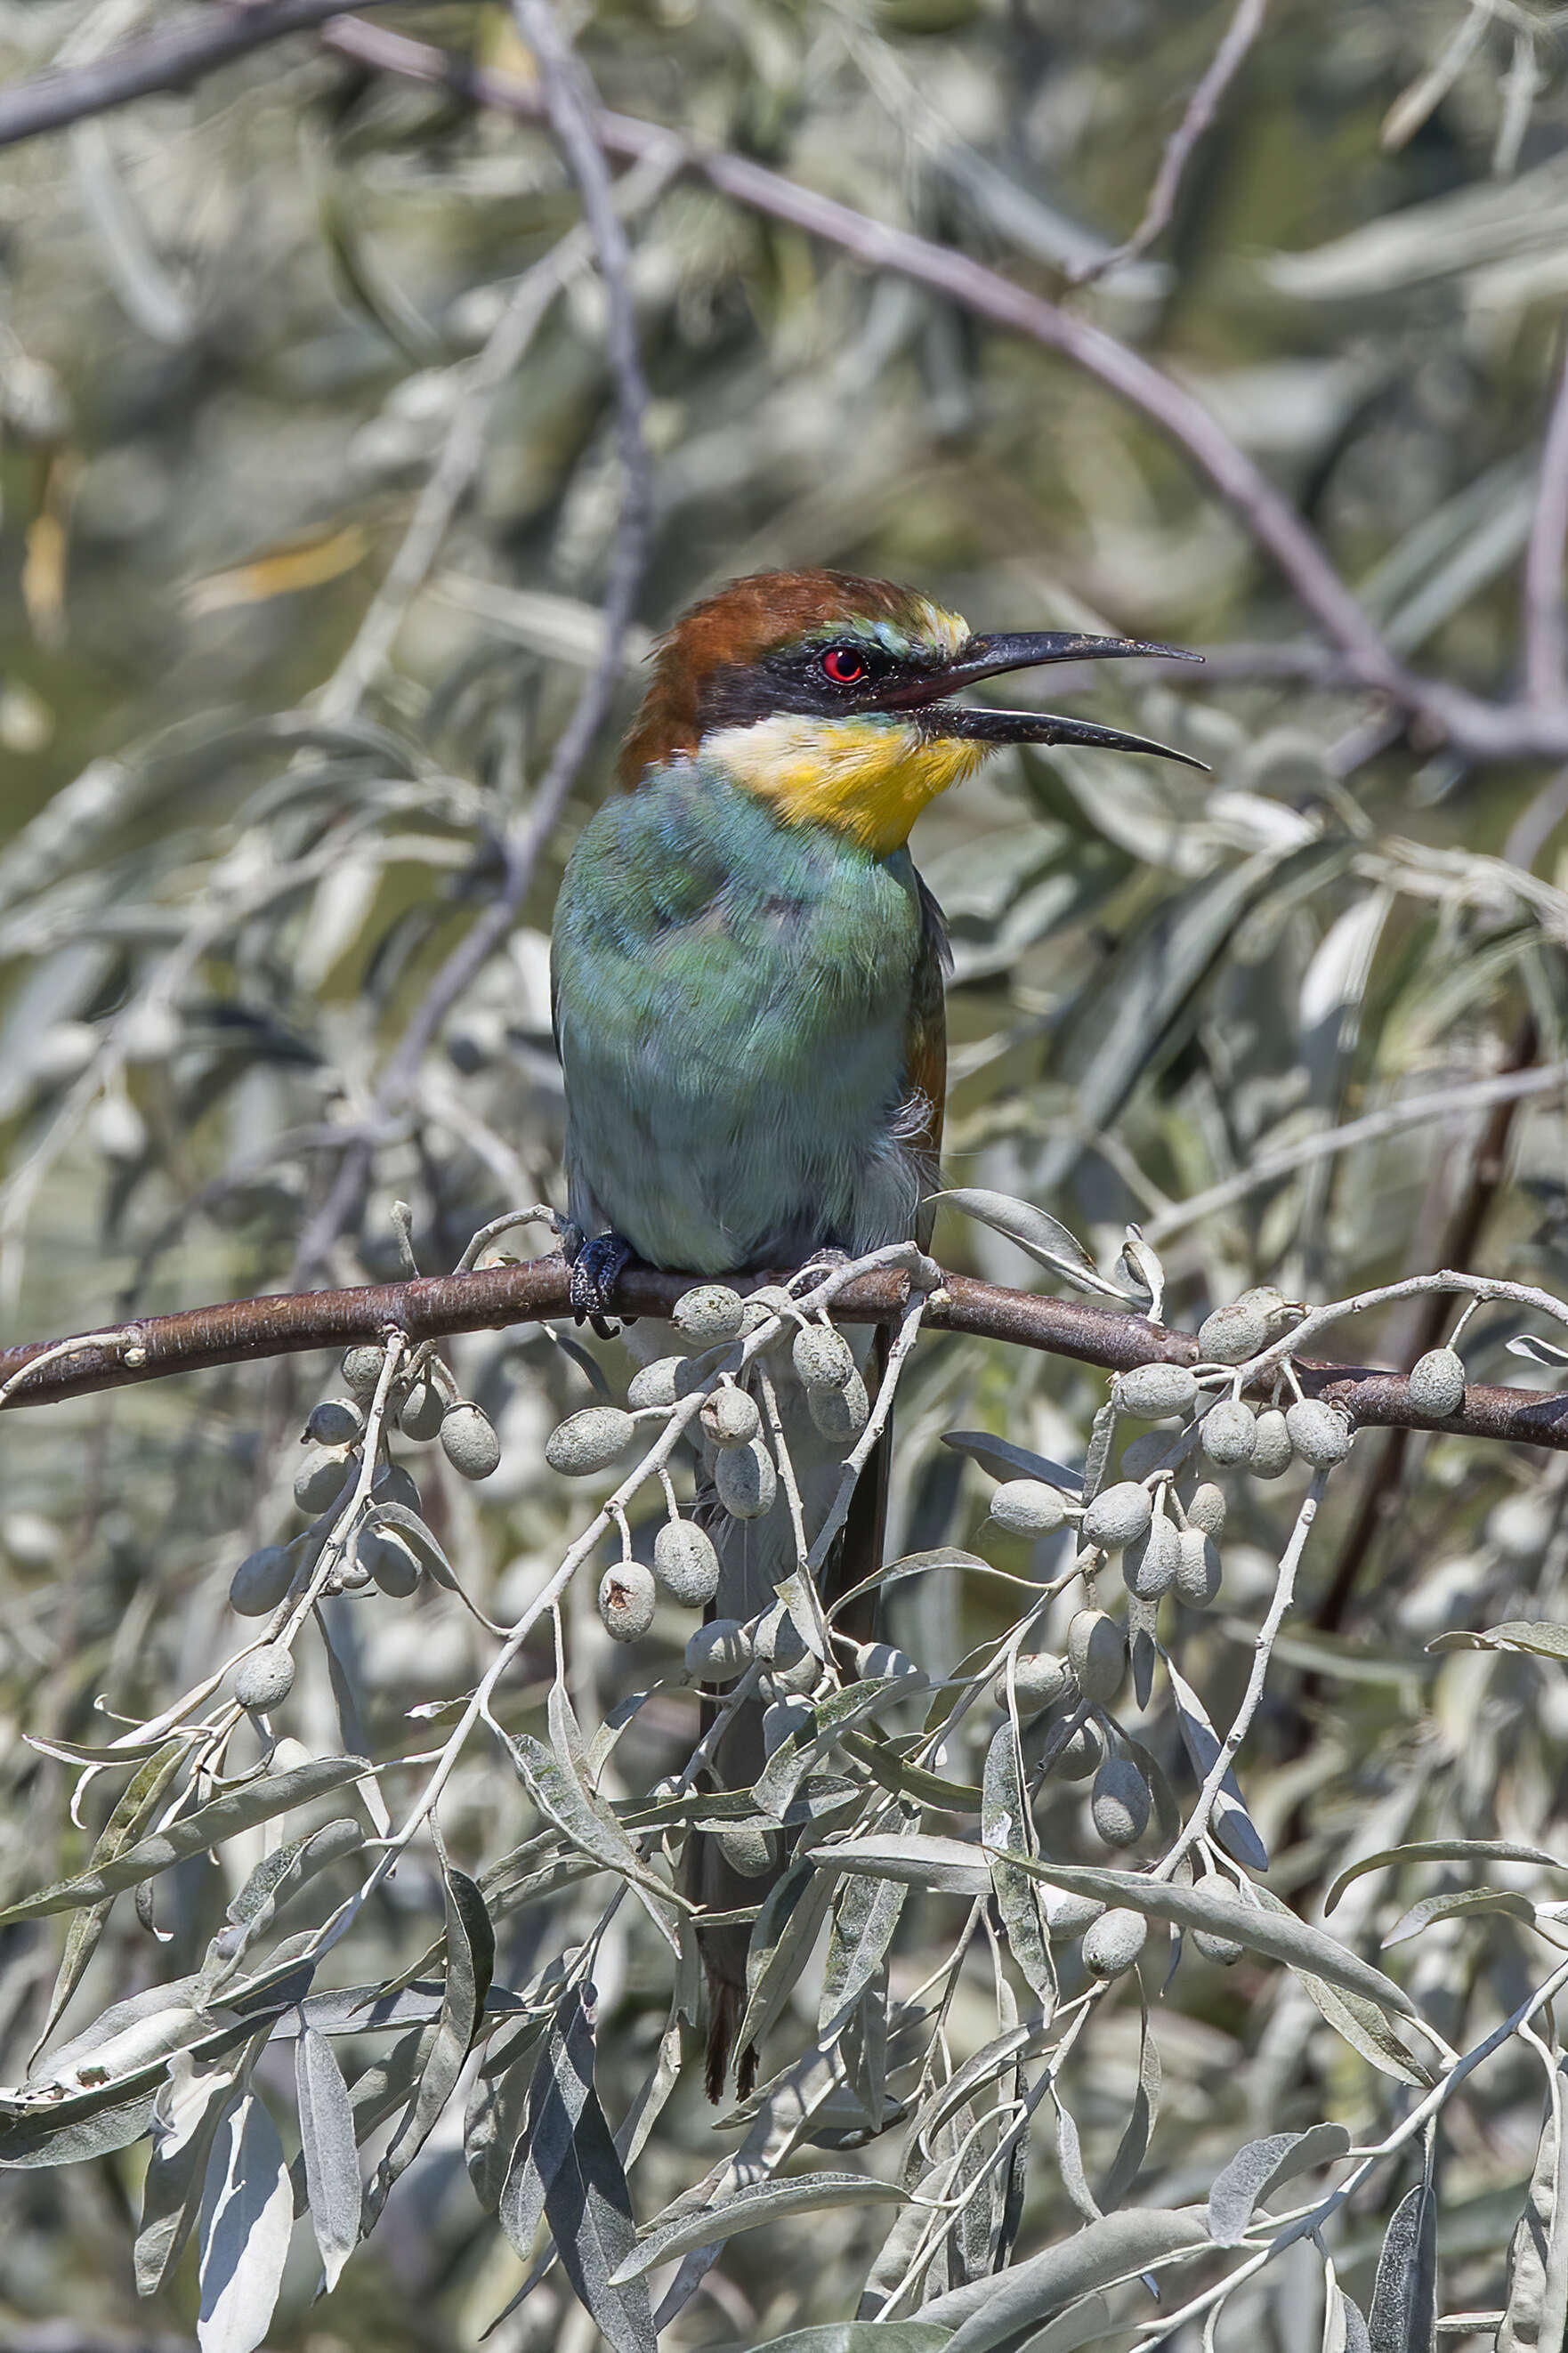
(1261, 2167)
(757, 2203)
(1441, 1851)
(992, 2312)
(1044, 1238)
(1405, 2301)
(1458, 1903)
(330, 2152)
(1006, 1460)
(1233, 1824)
(247, 2218)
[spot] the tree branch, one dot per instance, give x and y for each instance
(165, 60)
(1202, 107)
(238, 1331)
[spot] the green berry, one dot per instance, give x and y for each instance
(710, 1314)
(1197, 1569)
(1222, 1949)
(1118, 1517)
(336, 1421)
(1228, 1433)
(822, 1357)
(260, 1581)
(1121, 1802)
(627, 1601)
(362, 1370)
(1206, 1510)
(322, 1477)
(840, 1414)
(1096, 1653)
(686, 1564)
(1113, 1943)
(656, 1383)
(1319, 1433)
(746, 1481)
(1230, 1334)
(728, 1416)
(1027, 1508)
(1082, 1755)
(589, 1441)
(394, 1485)
(1038, 1681)
(1438, 1383)
(718, 1651)
(469, 1440)
(422, 1412)
(1272, 1452)
(1149, 1569)
(392, 1563)
(265, 1678)
(1151, 1392)
(1068, 1914)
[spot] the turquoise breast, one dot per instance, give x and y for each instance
(732, 996)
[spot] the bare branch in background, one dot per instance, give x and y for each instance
(1545, 636)
(1202, 107)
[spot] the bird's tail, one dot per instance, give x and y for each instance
(755, 1556)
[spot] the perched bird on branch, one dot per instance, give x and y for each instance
(748, 988)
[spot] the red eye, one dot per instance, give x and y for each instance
(843, 665)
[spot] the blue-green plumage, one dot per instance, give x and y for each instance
(734, 1000)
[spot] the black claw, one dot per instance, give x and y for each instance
(596, 1268)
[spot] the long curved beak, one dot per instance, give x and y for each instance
(989, 657)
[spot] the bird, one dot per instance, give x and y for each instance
(748, 990)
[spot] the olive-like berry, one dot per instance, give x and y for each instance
(260, 1581)
(746, 1481)
(822, 1357)
(1438, 1383)
(710, 1314)
(840, 1414)
(321, 1477)
(769, 1299)
(1228, 1433)
(265, 1678)
(627, 1601)
(1319, 1433)
(750, 1848)
(589, 1441)
(1082, 1755)
(469, 1440)
(1149, 1569)
(422, 1412)
(1272, 1452)
(1151, 1392)
(801, 1675)
(362, 1370)
(1222, 1949)
(1113, 1943)
(1230, 1334)
(1121, 1802)
(686, 1564)
(394, 1563)
(728, 1416)
(781, 1719)
(1096, 1653)
(1206, 1510)
(1068, 1914)
(1197, 1569)
(1038, 1681)
(654, 1384)
(1027, 1508)
(336, 1421)
(1118, 1517)
(718, 1651)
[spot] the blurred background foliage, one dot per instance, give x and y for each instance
(236, 331)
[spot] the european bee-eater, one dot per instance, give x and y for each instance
(748, 983)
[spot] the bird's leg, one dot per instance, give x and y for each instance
(820, 1264)
(596, 1267)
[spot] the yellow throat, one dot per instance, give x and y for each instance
(868, 777)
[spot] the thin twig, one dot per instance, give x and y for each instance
(1545, 635)
(1202, 107)
(565, 96)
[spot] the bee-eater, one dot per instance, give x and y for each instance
(748, 985)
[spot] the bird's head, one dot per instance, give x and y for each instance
(827, 696)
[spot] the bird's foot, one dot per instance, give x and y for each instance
(596, 1267)
(818, 1266)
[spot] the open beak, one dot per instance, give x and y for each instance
(988, 657)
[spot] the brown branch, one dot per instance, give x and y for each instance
(1545, 636)
(239, 1331)
(1202, 107)
(165, 60)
